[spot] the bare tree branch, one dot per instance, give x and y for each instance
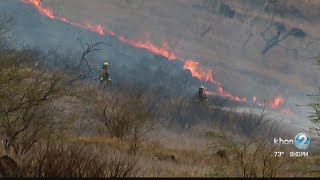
(208, 29)
(87, 50)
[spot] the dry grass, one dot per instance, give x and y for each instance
(75, 160)
(163, 160)
(104, 155)
(157, 159)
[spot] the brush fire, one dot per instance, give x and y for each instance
(197, 70)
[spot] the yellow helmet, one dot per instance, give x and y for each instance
(105, 64)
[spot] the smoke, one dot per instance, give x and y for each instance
(172, 25)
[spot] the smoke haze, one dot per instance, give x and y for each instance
(243, 71)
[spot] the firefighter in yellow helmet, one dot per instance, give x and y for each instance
(104, 75)
(201, 96)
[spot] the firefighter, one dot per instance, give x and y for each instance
(201, 95)
(104, 75)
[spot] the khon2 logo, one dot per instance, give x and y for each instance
(302, 141)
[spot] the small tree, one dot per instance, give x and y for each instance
(25, 95)
(123, 114)
(249, 158)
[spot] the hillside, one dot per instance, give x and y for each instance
(57, 121)
(181, 24)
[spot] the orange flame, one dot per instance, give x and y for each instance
(164, 50)
(276, 102)
(49, 13)
(207, 75)
(44, 11)
(192, 65)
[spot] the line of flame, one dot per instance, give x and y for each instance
(189, 64)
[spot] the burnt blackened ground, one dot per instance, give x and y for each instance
(129, 65)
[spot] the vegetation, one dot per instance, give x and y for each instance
(315, 105)
(53, 123)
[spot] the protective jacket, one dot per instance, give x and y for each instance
(104, 75)
(200, 97)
